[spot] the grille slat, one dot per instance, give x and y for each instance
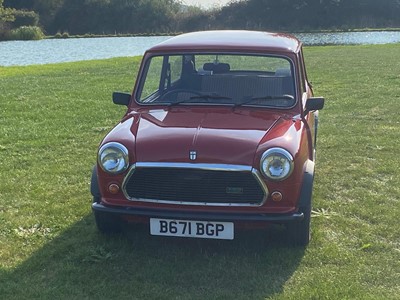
(193, 185)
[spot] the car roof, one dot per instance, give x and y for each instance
(230, 40)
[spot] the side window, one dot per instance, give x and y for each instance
(152, 81)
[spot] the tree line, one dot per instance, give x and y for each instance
(78, 17)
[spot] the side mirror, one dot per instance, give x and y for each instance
(315, 103)
(121, 98)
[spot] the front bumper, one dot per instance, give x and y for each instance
(204, 216)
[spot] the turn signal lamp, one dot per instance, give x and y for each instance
(113, 188)
(276, 196)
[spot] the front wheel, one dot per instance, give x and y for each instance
(107, 223)
(299, 232)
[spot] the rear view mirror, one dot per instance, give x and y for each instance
(121, 98)
(315, 103)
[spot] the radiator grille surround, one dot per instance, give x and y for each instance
(195, 184)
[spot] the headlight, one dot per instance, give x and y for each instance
(276, 164)
(113, 158)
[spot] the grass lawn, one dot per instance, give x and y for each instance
(52, 120)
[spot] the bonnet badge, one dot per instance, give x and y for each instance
(193, 155)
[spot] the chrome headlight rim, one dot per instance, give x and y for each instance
(276, 151)
(122, 154)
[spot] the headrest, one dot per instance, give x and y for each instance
(283, 72)
(217, 68)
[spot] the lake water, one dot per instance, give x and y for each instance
(21, 53)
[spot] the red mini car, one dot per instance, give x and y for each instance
(219, 134)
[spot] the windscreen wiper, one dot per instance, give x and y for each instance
(265, 98)
(201, 96)
(186, 100)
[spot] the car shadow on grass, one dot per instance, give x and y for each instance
(84, 264)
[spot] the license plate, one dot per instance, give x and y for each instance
(194, 229)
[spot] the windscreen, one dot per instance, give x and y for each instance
(218, 79)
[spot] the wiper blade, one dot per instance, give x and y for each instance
(202, 96)
(265, 98)
(179, 102)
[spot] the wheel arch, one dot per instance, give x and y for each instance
(307, 185)
(94, 184)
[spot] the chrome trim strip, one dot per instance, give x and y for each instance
(261, 182)
(211, 167)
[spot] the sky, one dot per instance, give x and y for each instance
(206, 3)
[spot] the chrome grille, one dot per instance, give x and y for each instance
(194, 185)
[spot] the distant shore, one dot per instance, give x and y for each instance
(90, 35)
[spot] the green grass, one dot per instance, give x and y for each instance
(52, 120)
